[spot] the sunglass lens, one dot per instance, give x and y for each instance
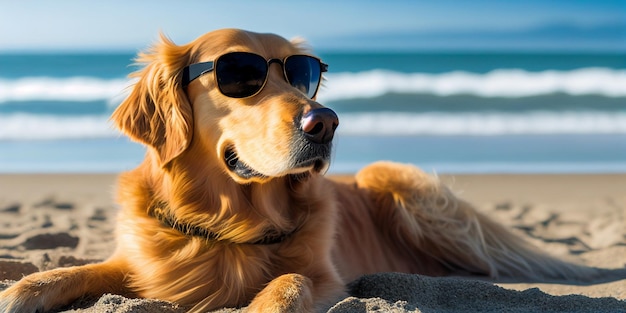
(304, 73)
(240, 74)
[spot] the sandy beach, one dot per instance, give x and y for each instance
(53, 220)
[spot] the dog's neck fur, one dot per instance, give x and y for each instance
(194, 203)
(161, 211)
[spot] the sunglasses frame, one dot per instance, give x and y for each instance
(195, 70)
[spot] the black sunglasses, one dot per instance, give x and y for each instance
(244, 74)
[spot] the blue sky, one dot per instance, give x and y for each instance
(127, 25)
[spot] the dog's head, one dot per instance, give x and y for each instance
(275, 132)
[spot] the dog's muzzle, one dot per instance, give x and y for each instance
(310, 150)
(313, 148)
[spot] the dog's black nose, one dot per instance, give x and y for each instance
(319, 125)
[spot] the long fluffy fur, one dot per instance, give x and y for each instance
(393, 218)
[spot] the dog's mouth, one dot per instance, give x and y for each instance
(238, 167)
(299, 168)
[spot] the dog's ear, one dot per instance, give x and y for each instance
(157, 112)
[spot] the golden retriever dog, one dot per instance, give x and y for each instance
(231, 208)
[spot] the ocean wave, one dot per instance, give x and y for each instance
(44, 127)
(510, 83)
(63, 89)
(483, 124)
(47, 127)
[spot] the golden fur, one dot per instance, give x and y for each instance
(392, 218)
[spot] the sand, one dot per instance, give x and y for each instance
(53, 220)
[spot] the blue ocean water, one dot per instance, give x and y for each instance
(446, 112)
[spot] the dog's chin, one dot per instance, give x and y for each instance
(312, 166)
(242, 172)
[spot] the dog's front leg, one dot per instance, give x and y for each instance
(40, 292)
(286, 293)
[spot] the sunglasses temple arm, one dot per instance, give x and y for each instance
(194, 71)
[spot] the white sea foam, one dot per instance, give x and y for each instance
(46, 127)
(62, 89)
(499, 83)
(482, 124)
(510, 83)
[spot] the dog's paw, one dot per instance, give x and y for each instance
(287, 293)
(38, 292)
